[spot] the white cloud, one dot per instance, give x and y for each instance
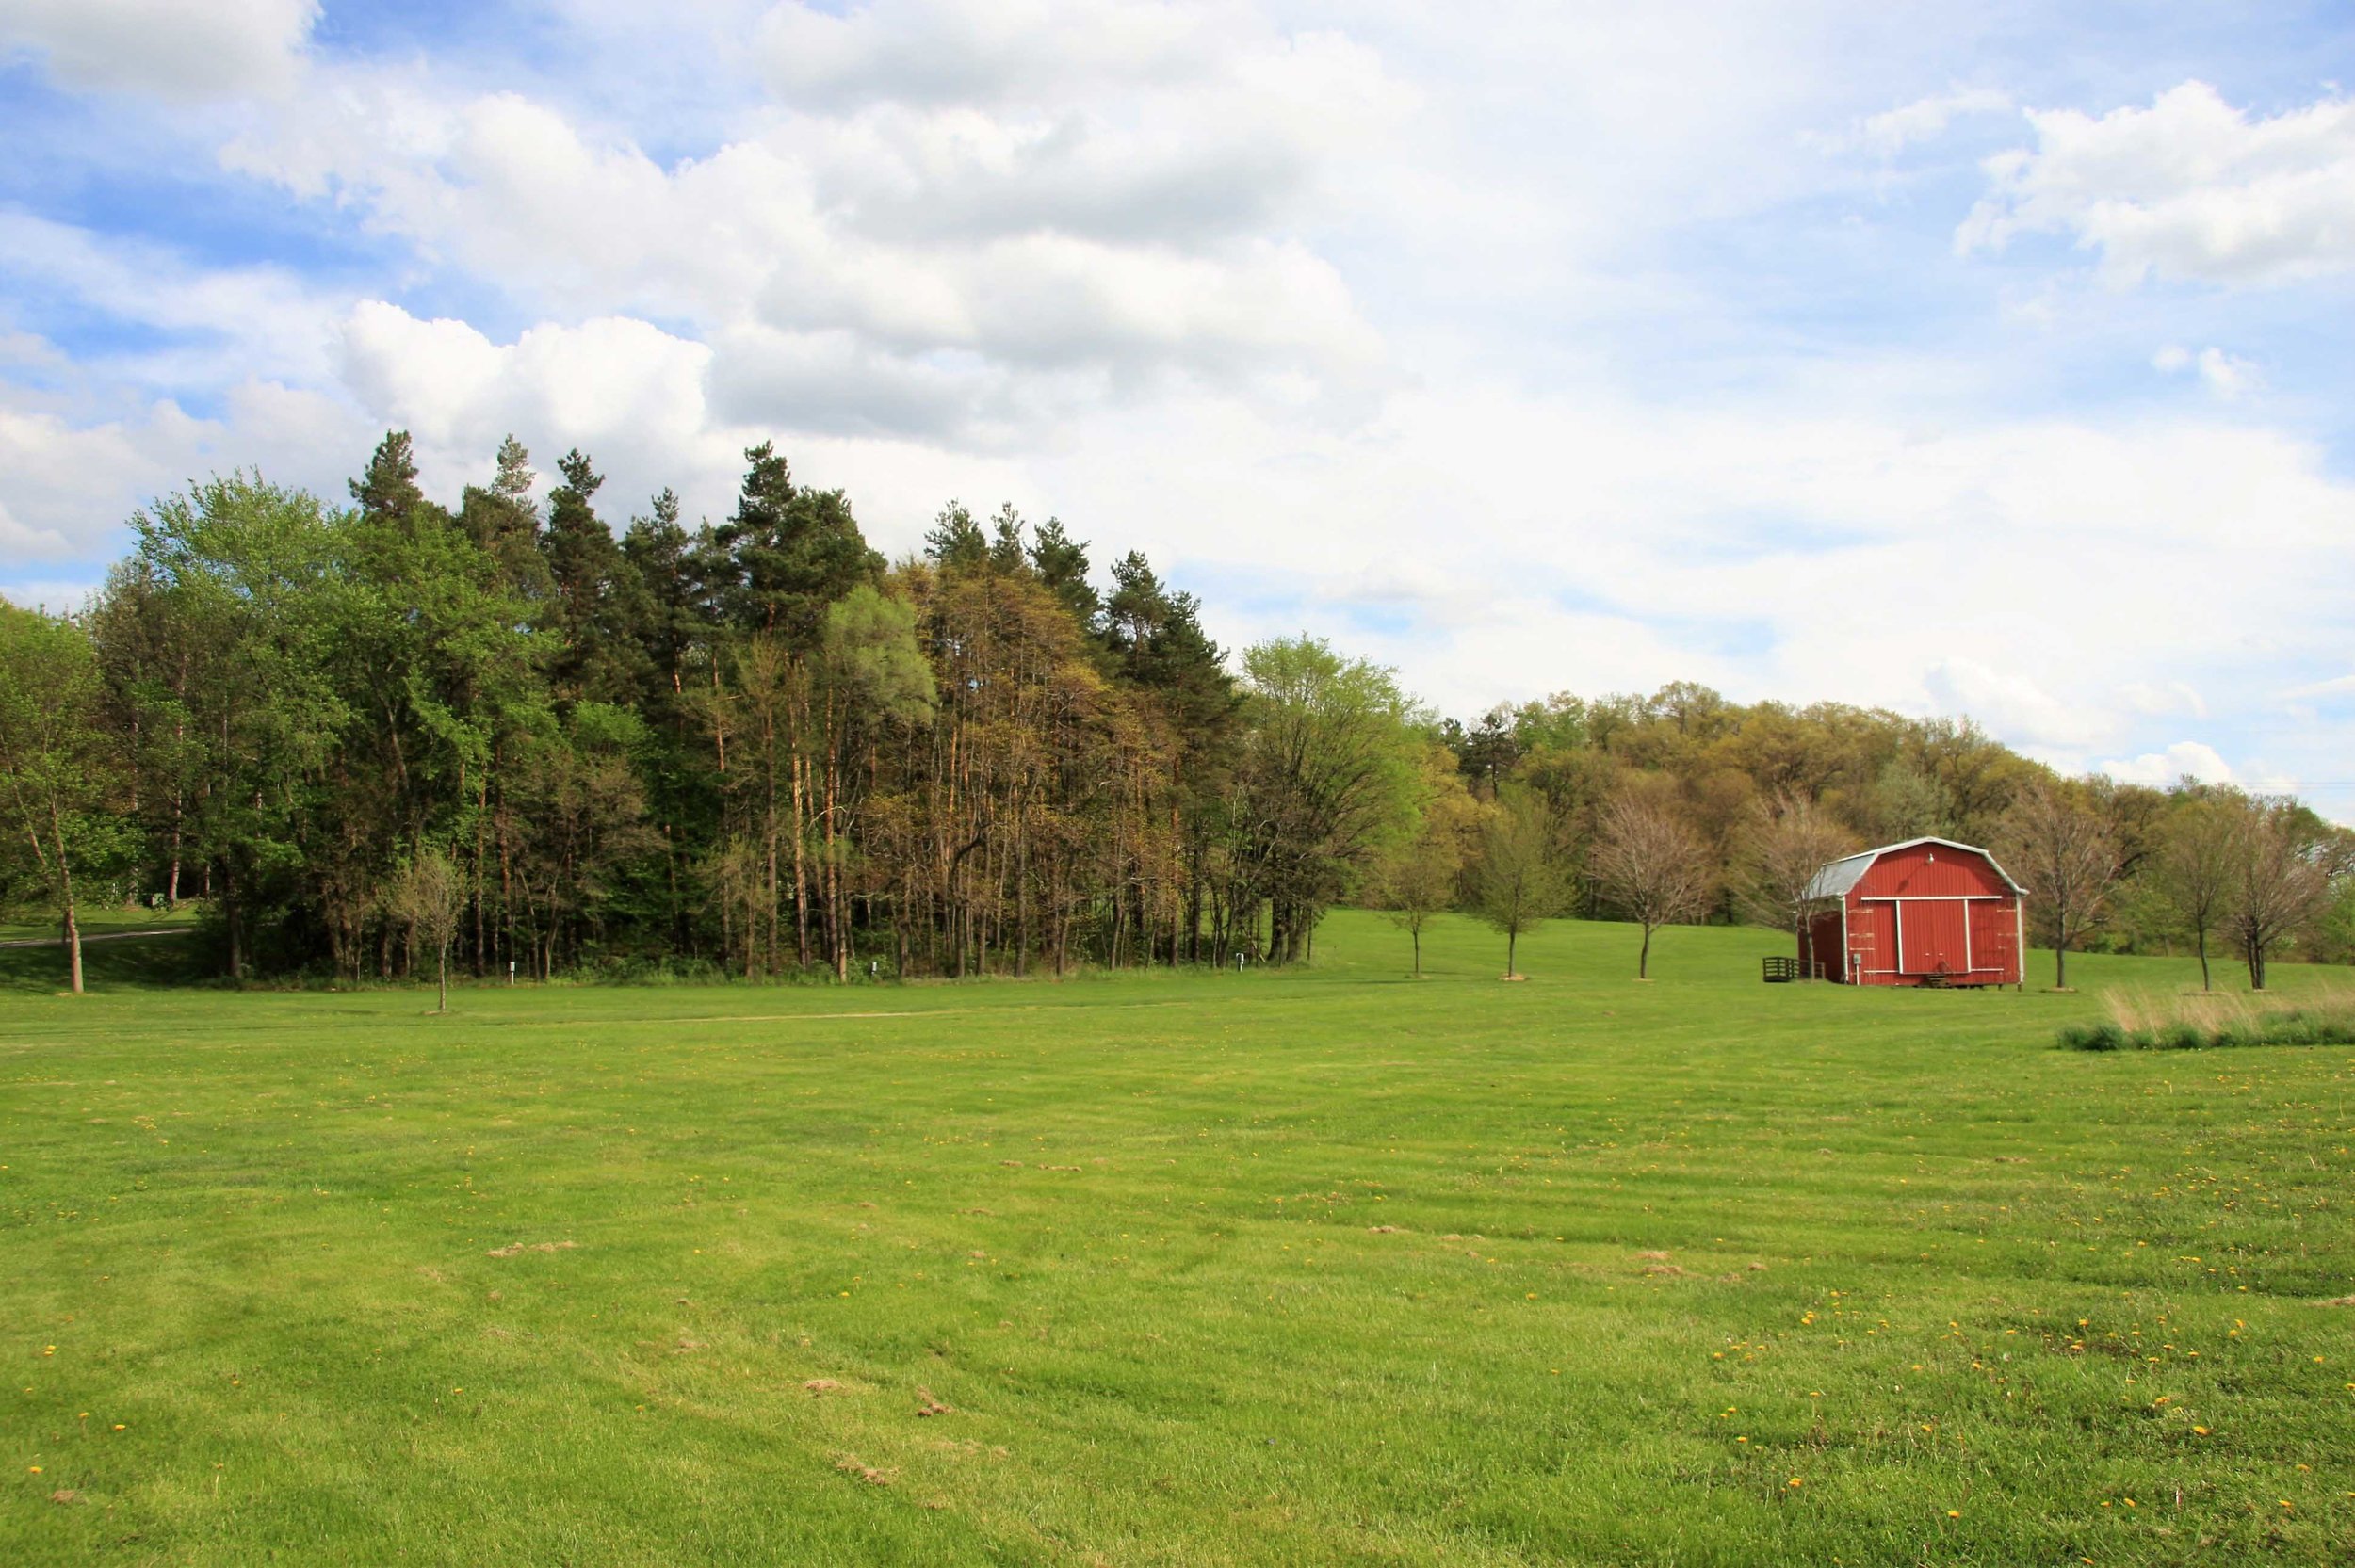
(2226, 375)
(2160, 700)
(2012, 705)
(66, 485)
(2186, 759)
(215, 325)
(625, 391)
(2189, 188)
(938, 52)
(1892, 131)
(56, 597)
(170, 48)
(1140, 229)
(1434, 337)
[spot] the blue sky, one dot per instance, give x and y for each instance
(1992, 362)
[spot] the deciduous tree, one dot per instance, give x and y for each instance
(1516, 884)
(1652, 867)
(2196, 865)
(58, 778)
(2057, 843)
(2283, 863)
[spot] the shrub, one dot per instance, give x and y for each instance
(2104, 1036)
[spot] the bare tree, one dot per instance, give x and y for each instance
(2196, 865)
(2064, 851)
(431, 895)
(2282, 878)
(1518, 882)
(1651, 867)
(1782, 847)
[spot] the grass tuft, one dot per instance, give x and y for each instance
(2141, 1020)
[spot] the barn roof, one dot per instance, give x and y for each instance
(1837, 876)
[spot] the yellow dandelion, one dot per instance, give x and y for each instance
(1953, 1513)
(1796, 1481)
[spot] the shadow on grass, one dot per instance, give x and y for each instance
(170, 960)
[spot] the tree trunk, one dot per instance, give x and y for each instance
(2205, 984)
(229, 913)
(1417, 936)
(2060, 963)
(800, 872)
(441, 975)
(2256, 966)
(73, 932)
(1512, 945)
(1642, 956)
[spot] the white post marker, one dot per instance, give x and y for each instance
(510, 971)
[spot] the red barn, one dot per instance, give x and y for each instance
(1928, 912)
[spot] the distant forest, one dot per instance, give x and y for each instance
(394, 737)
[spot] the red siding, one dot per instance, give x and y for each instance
(1936, 933)
(1995, 939)
(1873, 937)
(1931, 872)
(1820, 950)
(1958, 914)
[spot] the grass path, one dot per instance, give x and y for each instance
(1272, 1268)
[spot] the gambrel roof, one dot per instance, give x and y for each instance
(1839, 875)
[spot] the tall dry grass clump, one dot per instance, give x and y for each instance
(2142, 1020)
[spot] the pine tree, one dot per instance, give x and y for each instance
(389, 488)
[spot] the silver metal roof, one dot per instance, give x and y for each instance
(1839, 875)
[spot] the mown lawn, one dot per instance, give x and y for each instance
(1327, 1266)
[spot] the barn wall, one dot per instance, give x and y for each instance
(1822, 949)
(1960, 921)
(1995, 939)
(1873, 936)
(1931, 872)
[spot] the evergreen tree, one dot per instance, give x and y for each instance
(955, 541)
(389, 487)
(1062, 564)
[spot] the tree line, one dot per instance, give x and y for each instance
(399, 736)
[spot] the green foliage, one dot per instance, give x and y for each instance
(1328, 776)
(1516, 883)
(752, 746)
(870, 657)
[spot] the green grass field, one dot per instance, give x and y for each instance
(1326, 1266)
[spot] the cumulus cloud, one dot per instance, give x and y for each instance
(2186, 759)
(1137, 228)
(2189, 188)
(1398, 335)
(67, 484)
(169, 48)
